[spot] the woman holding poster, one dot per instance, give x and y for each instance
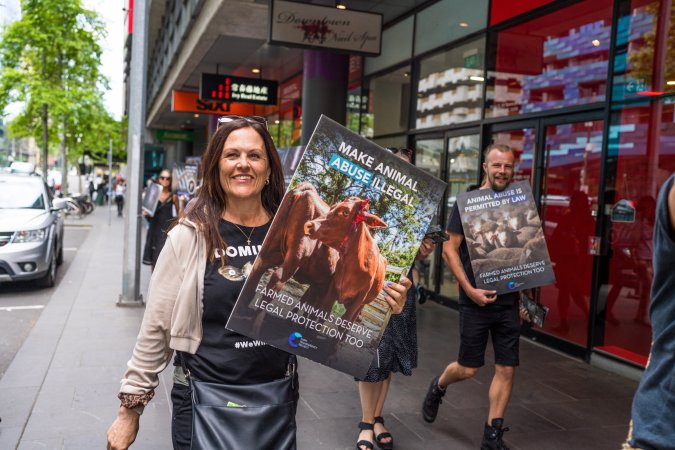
(198, 277)
(160, 222)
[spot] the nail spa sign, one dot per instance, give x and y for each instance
(300, 24)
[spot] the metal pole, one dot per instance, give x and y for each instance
(131, 275)
(109, 181)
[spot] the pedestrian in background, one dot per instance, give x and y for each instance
(166, 211)
(654, 403)
(192, 293)
(481, 313)
(397, 352)
(120, 190)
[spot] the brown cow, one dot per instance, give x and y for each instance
(359, 273)
(292, 252)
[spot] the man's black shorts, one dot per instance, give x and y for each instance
(502, 322)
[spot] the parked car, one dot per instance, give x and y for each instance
(31, 230)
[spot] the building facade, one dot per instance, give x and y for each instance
(584, 91)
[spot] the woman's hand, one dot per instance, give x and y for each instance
(396, 294)
(122, 433)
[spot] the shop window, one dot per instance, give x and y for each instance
(389, 104)
(644, 62)
(641, 157)
(450, 89)
(555, 61)
(447, 21)
(357, 97)
(396, 47)
(286, 128)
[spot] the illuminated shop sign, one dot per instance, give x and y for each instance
(301, 24)
(226, 88)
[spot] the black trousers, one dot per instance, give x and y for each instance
(181, 417)
(119, 199)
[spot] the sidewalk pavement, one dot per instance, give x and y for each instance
(60, 390)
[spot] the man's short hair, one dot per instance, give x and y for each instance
(501, 147)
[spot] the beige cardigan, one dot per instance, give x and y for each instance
(173, 312)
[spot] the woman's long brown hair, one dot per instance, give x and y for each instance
(211, 201)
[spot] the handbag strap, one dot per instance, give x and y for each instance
(183, 365)
(291, 368)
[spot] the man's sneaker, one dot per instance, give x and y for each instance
(492, 436)
(432, 401)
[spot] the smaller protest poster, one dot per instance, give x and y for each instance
(505, 239)
(184, 180)
(150, 198)
(536, 311)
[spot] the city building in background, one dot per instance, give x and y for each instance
(584, 91)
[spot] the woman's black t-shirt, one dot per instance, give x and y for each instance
(223, 355)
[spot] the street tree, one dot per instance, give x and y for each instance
(50, 63)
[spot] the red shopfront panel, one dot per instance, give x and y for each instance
(505, 9)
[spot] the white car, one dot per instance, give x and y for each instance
(31, 230)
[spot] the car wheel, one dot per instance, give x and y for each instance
(50, 277)
(59, 256)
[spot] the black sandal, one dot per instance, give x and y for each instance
(363, 442)
(378, 439)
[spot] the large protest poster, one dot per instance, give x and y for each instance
(505, 239)
(352, 219)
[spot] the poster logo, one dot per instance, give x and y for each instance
(513, 284)
(294, 338)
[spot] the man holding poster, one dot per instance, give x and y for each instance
(481, 312)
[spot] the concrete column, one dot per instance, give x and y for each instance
(324, 89)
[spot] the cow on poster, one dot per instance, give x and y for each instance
(352, 219)
(505, 239)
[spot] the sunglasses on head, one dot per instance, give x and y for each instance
(252, 119)
(405, 151)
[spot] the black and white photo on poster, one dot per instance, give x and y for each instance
(151, 198)
(505, 239)
(352, 220)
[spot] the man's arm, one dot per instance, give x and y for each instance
(451, 257)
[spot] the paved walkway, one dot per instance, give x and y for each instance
(59, 392)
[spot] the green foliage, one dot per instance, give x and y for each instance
(52, 56)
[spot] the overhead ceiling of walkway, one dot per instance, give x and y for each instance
(233, 41)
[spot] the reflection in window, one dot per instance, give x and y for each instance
(389, 104)
(641, 157)
(554, 61)
(450, 89)
(643, 62)
(463, 161)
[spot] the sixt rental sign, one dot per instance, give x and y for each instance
(226, 88)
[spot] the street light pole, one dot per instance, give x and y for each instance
(131, 275)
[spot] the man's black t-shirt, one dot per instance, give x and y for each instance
(223, 355)
(455, 226)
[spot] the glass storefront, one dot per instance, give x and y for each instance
(568, 210)
(539, 83)
(555, 61)
(641, 157)
(450, 88)
(389, 104)
(462, 163)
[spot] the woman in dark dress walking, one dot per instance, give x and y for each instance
(397, 352)
(166, 211)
